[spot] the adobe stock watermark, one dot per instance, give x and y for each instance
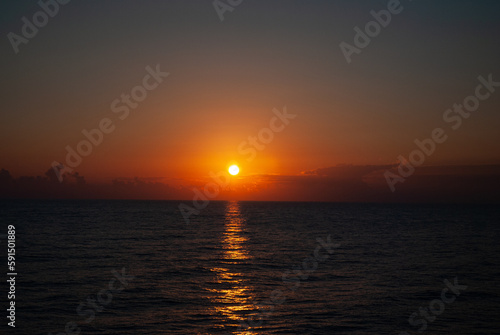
(292, 279)
(29, 29)
(222, 6)
(436, 306)
(120, 106)
(372, 29)
(453, 116)
(250, 147)
(92, 305)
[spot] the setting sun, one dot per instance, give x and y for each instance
(234, 170)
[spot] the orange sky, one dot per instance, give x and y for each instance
(225, 79)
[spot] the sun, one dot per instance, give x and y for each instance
(234, 170)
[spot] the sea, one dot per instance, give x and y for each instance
(137, 267)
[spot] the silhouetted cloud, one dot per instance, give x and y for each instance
(350, 183)
(343, 183)
(74, 186)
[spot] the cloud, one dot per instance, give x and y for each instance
(342, 183)
(366, 183)
(74, 186)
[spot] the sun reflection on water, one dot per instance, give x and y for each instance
(232, 292)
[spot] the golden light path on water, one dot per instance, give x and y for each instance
(234, 296)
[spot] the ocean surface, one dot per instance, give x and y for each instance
(135, 267)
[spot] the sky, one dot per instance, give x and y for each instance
(219, 82)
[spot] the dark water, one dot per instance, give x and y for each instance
(210, 276)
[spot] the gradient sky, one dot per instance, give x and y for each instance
(226, 78)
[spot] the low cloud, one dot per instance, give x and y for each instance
(342, 183)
